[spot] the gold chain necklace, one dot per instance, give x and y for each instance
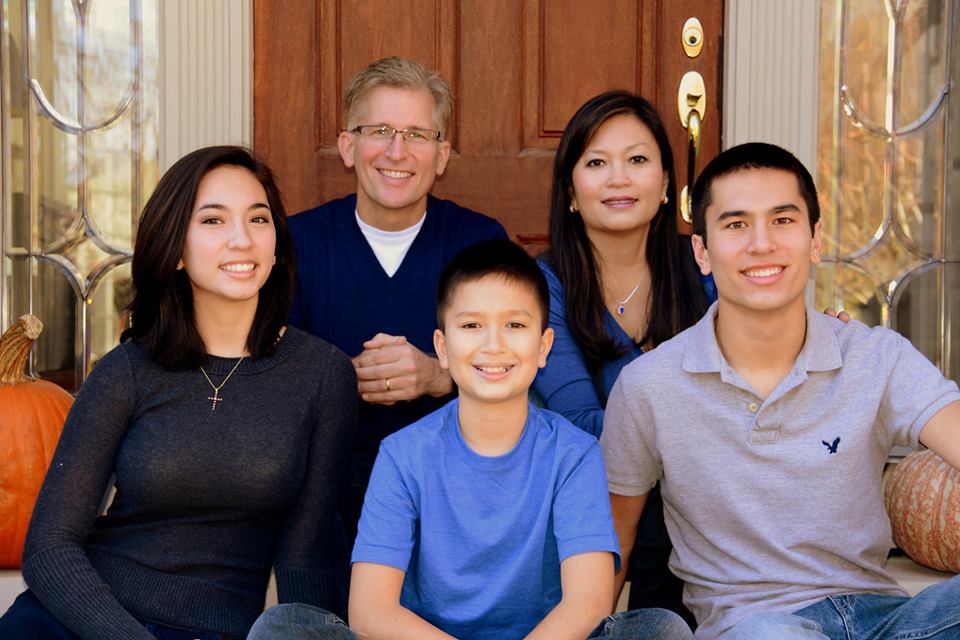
(215, 398)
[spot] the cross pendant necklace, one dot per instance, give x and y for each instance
(215, 398)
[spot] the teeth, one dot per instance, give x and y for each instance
(494, 369)
(238, 268)
(762, 273)
(396, 174)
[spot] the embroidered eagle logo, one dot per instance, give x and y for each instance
(831, 448)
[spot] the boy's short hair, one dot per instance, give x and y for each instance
(752, 155)
(399, 73)
(493, 258)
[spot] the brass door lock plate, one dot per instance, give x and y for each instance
(692, 96)
(692, 37)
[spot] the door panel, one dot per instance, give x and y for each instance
(518, 68)
(565, 63)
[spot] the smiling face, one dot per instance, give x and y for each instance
(760, 242)
(393, 176)
(229, 249)
(492, 342)
(619, 181)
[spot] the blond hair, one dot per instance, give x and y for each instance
(400, 73)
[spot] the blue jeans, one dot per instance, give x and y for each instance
(28, 619)
(305, 622)
(641, 624)
(299, 622)
(932, 613)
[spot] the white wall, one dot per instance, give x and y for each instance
(771, 68)
(206, 75)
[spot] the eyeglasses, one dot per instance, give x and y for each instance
(385, 133)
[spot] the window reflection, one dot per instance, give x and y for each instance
(81, 147)
(889, 168)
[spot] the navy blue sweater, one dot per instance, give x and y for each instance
(345, 297)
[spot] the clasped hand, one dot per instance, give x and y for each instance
(390, 369)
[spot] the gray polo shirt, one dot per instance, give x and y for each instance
(771, 504)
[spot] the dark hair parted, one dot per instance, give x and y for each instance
(162, 313)
(677, 299)
(493, 258)
(751, 155)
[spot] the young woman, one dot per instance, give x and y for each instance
(224, 431)
(622, 280)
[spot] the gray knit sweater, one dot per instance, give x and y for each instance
(207, 501)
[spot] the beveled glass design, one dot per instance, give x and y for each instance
(889, 168)
(79, 142)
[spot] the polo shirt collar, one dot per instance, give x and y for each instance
(821, 349)
(820, 352)
(701, 353)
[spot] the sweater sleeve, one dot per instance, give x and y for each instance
(55, 564)
(497, 232)
(565, 384)
(308, 550)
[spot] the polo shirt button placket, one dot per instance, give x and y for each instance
(759, 434)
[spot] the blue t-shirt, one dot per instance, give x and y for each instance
(481, 538)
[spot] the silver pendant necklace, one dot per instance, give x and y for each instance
(621, 309)
(215, 398)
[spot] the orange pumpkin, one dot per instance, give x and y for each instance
(922, 497)
(31, 417)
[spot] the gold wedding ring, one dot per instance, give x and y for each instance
(388, 383)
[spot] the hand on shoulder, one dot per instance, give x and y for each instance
(841, 315)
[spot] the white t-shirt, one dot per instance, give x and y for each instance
(390, 247)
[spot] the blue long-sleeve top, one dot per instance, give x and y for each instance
(566, 385)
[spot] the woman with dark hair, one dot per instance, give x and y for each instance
(622, 281)
(223, 430)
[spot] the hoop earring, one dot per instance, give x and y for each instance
(665, 199)
(574, 208)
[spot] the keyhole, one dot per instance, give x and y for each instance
(691, 37)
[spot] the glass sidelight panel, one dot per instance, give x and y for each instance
(889, 168)
(79, 91)
(920, 293)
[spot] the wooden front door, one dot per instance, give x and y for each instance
(518, 68)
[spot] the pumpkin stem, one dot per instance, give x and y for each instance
(15, 346)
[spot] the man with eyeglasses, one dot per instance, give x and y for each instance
(368, 264)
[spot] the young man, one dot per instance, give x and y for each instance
(768, 425)
(489, 519)
(368, 263)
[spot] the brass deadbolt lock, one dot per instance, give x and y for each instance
(692, 37)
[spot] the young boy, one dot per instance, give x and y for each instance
(489, 518)
(768, 425)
